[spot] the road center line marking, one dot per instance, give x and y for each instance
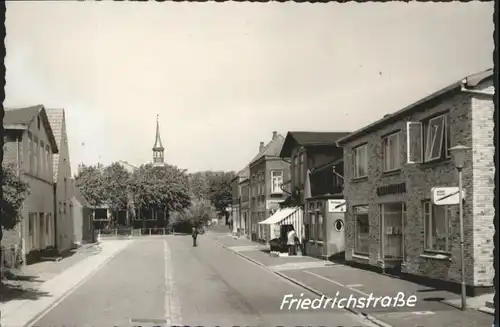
(337, 283)
(173, 314)
(354, 285)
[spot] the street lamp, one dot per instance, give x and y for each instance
(458, 153)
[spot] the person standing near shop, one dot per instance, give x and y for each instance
(292, 235)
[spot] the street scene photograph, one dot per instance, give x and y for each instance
(248, 164)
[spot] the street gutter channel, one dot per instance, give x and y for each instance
(296, 282)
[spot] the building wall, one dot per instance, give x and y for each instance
(419, 179)
(77, 221)
(257, 201)
(36, 170)
(263, 205)
(483, 185)
(313, 157)
(64, 194)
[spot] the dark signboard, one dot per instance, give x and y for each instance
(391, 189)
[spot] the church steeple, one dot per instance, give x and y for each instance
(158, 149)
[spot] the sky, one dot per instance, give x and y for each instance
(223, 76)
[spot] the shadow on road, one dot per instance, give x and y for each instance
(9, 292)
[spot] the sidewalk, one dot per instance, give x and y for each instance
(53, 284)
(336, 280)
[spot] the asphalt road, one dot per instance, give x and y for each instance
(165, 277)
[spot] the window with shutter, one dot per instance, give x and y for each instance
(414, 140)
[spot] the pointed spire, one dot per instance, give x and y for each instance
(158, 145)
(158, 149)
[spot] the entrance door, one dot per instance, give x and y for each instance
(391, 215)
(336, 243)
(41, 232)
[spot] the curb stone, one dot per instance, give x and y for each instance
(293, 280)
(40, 314)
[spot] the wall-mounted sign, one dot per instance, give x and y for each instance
(337, 206)
(442, 196)
(361, 210)
(273, 204)
(391, 189)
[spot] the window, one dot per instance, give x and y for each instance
(30, 153)
(31, 223)
(319, 217)
(437, 227)
(262, 184)
(296, 171)
(47, 224)
(361, 230)
(49, 162)
(391, 152)
(313, 230)
(360, 161)
(428, 140)
(301, 168)
(276, 181)
(36, 161)
(391, 215)
(65, 187)
(38, 122)
(43, 159)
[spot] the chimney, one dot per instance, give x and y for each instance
(275, 134)
(261, 146)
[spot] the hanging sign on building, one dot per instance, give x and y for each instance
(337, 206)
(399, 188)
(442, 196)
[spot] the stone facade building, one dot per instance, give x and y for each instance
(392, 165)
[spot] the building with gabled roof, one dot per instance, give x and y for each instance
(64, 231)
(396, 221)
(29, 148)
(267, 171)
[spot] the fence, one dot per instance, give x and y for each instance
(129, 232)
(10, 257)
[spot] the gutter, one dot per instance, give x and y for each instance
(463, 88)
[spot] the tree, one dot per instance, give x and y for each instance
(198, 185)
(164, 188)
(199, 213)
(117, 187)
(219, 190)
(15, 192)
(92, 185)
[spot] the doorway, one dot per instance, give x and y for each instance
(392, 240)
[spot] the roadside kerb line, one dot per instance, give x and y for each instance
(66, 293)
(296, 282)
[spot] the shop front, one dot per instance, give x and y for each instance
(325, 227)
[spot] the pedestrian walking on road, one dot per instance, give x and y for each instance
(194, 235)
(292, 235)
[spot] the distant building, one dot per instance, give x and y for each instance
(316, 183)
(65, 236)
(236, 208)
(83, 216)
(29, 147)
(391, 166)
(267, 173)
